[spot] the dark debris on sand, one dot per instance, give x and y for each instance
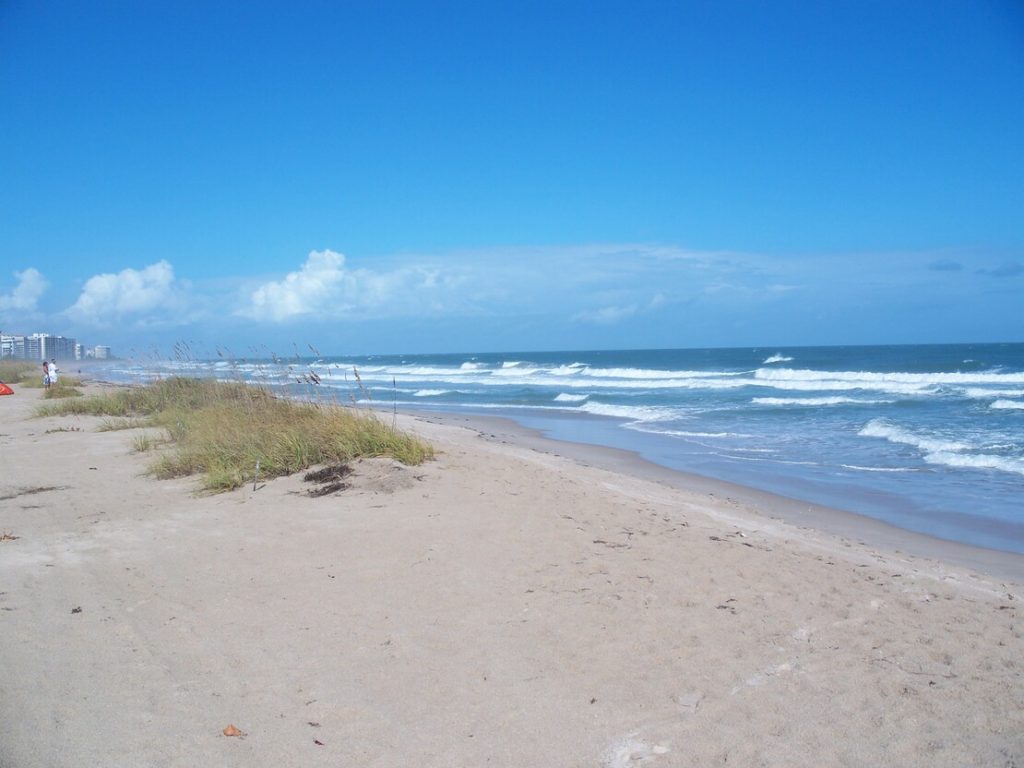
(329, 479)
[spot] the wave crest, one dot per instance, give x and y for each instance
(806, 401)
(565, 397)
(1008, 405)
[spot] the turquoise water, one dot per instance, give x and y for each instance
(928, 438)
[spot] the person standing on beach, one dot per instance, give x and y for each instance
(46, 374)
(53, 372)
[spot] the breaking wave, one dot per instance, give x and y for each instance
(977, 461)
(809, 401)
(1008, 405)
(979, 393)
(567, 398)
(896, 383)
(892, 433)
(936, 450)
(631, 412)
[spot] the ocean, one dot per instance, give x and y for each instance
(928, 438)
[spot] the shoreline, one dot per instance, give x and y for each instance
(979, 518)
(502, 604)
(831, 521)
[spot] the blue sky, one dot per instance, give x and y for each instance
(482, 176)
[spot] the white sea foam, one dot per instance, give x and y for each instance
(688, 383)
(943, 452)
(761, 460)
(875, 379)
(567, 398)
(578, 375)
(776, 359)
(631, 412)
(567, 370)
(684, 433)
(514, 370)
(977, 461)
(1008, 405)
(808, 401)
(431, 392)
(979, 393)
(878, 469)
(363, 369)
(409, 371)
(842, 385)
(651, 373)
(892, 433)
(479, 406)
(564, 378)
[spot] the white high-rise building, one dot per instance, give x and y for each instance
(38, 346)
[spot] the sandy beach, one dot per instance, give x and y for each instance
(510, 603)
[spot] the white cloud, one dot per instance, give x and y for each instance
(304, 292)
(31, 286)
(146, 296)
(325, 287)
(618, 279)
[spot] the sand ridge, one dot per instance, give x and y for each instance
(500, 606)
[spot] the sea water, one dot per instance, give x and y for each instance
(928, 438)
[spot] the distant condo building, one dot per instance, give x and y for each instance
(43, 346)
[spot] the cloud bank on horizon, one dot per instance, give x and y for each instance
(602, 293)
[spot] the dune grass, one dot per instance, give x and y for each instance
(60, 390)
(20, 372)
(222, 430)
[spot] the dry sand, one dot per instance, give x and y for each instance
(499, 606)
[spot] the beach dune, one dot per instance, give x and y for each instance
(500, 605)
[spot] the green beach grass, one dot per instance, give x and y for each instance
(20, 372)
(223, 430)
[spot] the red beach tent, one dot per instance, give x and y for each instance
(5, 390)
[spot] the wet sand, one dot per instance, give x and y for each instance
(503, 605)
